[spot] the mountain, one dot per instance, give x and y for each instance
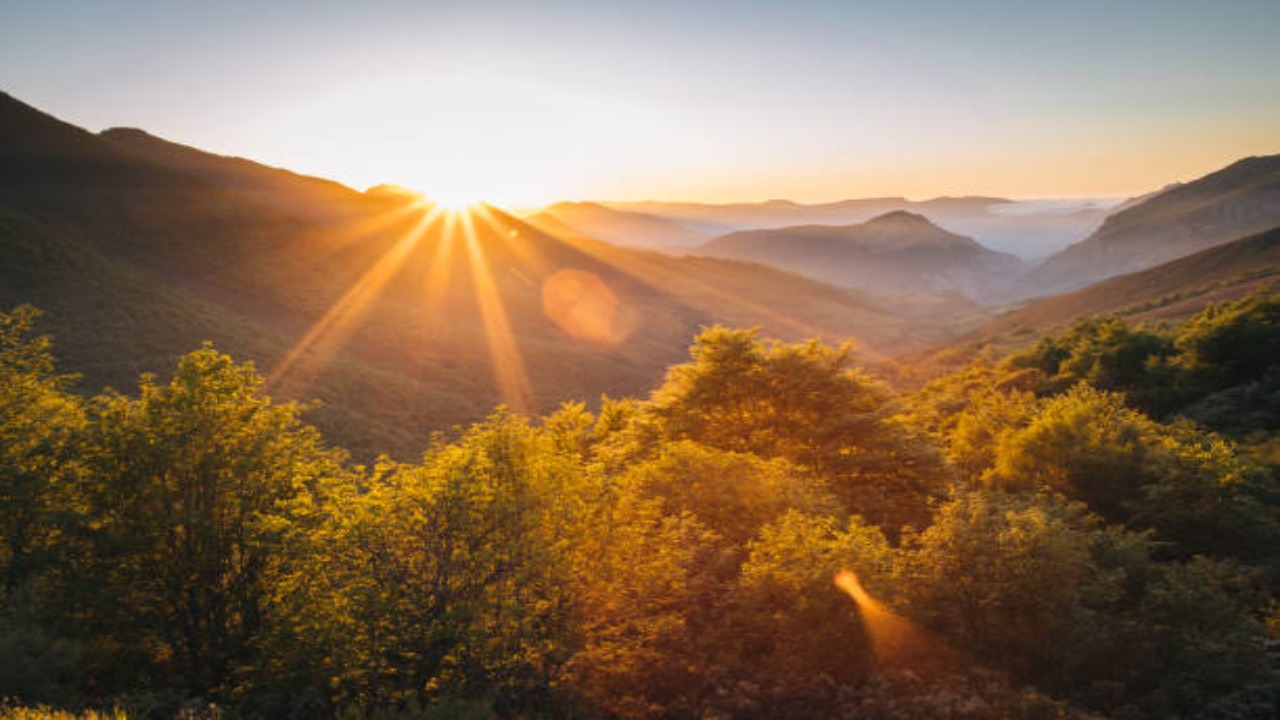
(399, 317)
(898, 252)
(1239, 200)
(620, 227)
(1027, 228)
(1175, 289)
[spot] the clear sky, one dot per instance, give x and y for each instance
(526, 102)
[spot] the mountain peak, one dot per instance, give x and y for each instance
(901, 219)
(120, 133)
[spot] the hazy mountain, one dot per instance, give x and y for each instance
(620, 227)
(1239, 200)
(1179, 288)
(400, 319)
(897, 252)
(1027, 228)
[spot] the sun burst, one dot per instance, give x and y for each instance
(455, 201)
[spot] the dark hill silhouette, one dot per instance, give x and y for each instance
(1239, 200)
(400, 319)
(899, 251)
(307, 197)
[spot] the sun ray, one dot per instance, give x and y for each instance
(367, 226)
(440, 273)
(508, 365)
(512, 239)
(328, 333)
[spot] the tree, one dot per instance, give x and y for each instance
(1043, 590)
(801, 403)
(40, 426)
(443, 579)
(187, 499)
(1191, 487)
(1229, 344)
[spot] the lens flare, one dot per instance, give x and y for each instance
(582, 305)
(898, 643)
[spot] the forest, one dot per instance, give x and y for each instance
(1089, 526)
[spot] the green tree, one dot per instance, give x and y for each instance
(40, 426)
(1041, 589)
(443, 579)
(1229, 344)
(189, 484)
(1191, 487)
(804, 404)
(1107, 353)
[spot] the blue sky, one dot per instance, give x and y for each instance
(533, 102)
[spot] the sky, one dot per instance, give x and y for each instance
(701, 100)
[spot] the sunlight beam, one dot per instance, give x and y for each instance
(332, 329)
(508, 365)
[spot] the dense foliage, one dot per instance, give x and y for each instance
(1041, 538)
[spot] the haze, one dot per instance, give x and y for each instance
(523, 103)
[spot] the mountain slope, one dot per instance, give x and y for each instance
(896, 252)
(1178, 288)
(1239, 200)
(400, 318)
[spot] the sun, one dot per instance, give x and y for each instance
(455, 201)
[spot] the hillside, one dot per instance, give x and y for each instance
(897, 252)
(1179, 288)
(400, 319)
(1239, 200)
(620, 227)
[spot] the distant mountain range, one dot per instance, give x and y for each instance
(898, 252)
(1031, 229)
(399, 319)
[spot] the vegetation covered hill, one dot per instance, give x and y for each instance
(896, 252)
(398, 317)
(1239, 200)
